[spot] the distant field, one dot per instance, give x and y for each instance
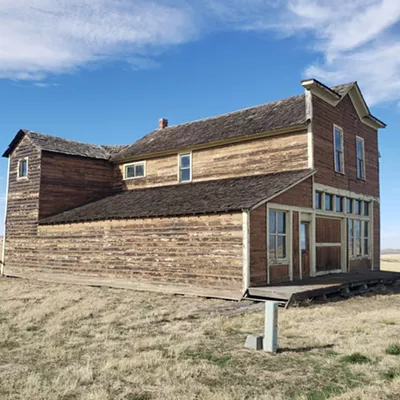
(390, 262)
(62, 342)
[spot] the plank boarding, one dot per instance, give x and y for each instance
(300, 290)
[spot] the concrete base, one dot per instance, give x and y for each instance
(254, 342)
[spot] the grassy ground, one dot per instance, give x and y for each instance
(70, 342)
(390, 262)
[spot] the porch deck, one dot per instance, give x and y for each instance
(323, 286)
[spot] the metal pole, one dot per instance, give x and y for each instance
(271, 326)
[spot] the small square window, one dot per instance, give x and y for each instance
(135, 170)
(328, 202)
(339, 204)
(23, 168)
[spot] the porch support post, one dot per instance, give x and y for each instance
(3, 254)
(246, 251)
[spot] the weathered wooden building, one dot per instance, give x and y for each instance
(279, 192)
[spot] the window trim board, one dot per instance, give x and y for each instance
(134, 164)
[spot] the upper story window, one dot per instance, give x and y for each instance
(277, 235)
(23, 168)
(328, 202)
(185, 167)
(360, 158)
(339, 204)
(339, 152)
(318, 200)
(135, 170)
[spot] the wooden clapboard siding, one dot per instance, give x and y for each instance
(68, 182)
(272, 154)
(279, 273)
(345, 116)
(285, 152)
(301, 195)
(258, 246)
(23, 194)
(160, 171)
(360, 265)
(202, 251)
(328, 258)
(328, 230)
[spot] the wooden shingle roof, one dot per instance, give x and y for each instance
(56, 144)
(216, 196)
(268, 117)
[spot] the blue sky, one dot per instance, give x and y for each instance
(105, 71)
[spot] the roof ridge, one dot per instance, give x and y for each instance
(28, 132)
(225, 114)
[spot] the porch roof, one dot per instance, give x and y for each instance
(216, 196)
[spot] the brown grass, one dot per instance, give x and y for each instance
(390, 262)
(70, 342)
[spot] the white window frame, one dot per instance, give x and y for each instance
(336, 127)
(126, 166)
(287, 234)
(363, 177)
(365, 253)
(27, 168)
(190, 166)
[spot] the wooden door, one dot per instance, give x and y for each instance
(328, 245)
(305, 249)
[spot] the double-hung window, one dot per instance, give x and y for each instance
(277, 235)
(360, 158)
(185, 167)
(22, 168)
(135, 170)
(338, 145)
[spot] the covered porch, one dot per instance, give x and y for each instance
(323, 287)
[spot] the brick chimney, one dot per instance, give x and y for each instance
(162, 123)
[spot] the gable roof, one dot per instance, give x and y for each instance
(290, 112)
(336, 94)
(56, 144)
(216, 196)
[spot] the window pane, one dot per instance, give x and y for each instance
(272, 246)
(139, 170)
(130, 172)
(360, 169)
(328, 202)
(349, 206)
(366, 247)
(185, 161)
(357, 207)
(366, 229)
(338, 139)
(272, 221)
(339, 204)
(281, 222)
(318, 204)
(23, 168)
(357, 238)
(359, 149)
(185, 175)
(338, 162)
(281, 250)
(351, 237)
(366, 208)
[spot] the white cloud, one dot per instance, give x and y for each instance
(356, 38)
(41, 37)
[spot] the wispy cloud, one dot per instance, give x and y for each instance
(346, 39)
(42, 37)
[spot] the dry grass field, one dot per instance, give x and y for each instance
(390, 262)
(70, 342)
